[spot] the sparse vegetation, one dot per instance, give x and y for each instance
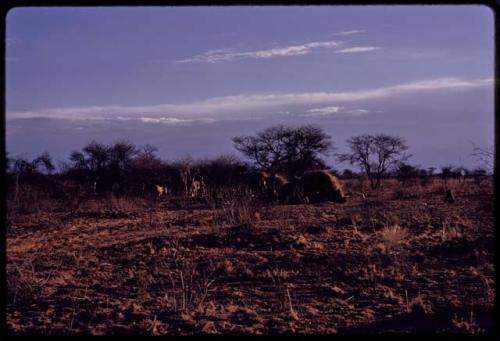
(86, 259)
(375, 155)
(286, 149)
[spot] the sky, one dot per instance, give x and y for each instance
(188, 79)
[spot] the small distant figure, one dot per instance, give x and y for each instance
(161, 190)
(449, 197)
(197, 187)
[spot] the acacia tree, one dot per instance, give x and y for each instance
(286, 149)
(147, 152)
(94, 157)
(104, 165)
(375, 155)
(486, 157)
(30, 170)
(145, 170)
(25, 167)
(407, 173)
(223, 171)
(121, 155)
(91, 163)
(451, 172)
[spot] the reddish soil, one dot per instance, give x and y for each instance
(399, 260)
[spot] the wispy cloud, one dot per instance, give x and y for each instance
(350, 32)
(173, 120)
(334, 110)
(167, 120)
(230, 107)
(215, 56)
(358, 49)
(161, 119)
(357, 111)
(323, 111)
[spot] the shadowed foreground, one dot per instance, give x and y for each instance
(397, 261)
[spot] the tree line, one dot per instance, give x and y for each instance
(292, 151)
(122, 168)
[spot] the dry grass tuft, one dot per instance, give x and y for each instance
(392, 237)
(237, 208)
(467, 326)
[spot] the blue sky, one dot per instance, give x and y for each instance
(187, 79)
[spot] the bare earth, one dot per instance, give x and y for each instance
(396, 261)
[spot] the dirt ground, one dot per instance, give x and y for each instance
(396, 260)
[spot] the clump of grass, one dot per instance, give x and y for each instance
(24, 281)
(450, 232)
(419, 305)
(468, 326)
(393, 236)
(190, 284)
(238, 207)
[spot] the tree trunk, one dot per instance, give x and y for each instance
(372, 182)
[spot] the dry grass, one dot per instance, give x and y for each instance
(187, 266)
(393, 237)
(238, 207)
